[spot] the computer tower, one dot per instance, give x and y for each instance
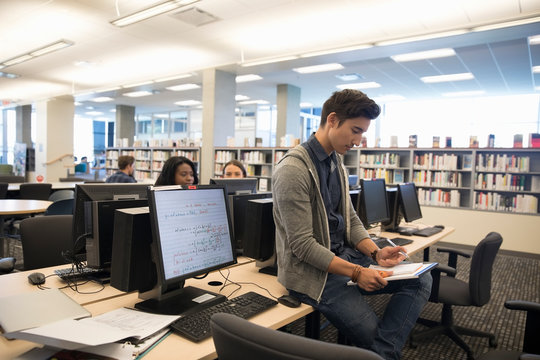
(259, 242)
(132, 267)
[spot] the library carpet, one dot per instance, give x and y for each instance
(513, 278)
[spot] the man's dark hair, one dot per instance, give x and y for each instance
(348, 104)
(124, 161)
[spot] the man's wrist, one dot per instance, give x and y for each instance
(374, 254)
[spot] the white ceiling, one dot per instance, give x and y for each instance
(105, 56)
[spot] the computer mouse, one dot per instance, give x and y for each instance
(439, 226)
(289, 301)
(36, 278)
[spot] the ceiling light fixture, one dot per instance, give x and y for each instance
(37, 52)
(138, 93)
(93, 113)
(536, 69)
(350, 77)
(268, 61)
(463, 93)
(447, 78)
(304, 105)
(248, 77)
(183, 87)
(187, 103)
(241, 97)
(534, 40)
(335, 51)
(422, 37)
(250, 102)
(362, 85)
(423, 55)
(101, 99)
(318, 68)
(152, 11)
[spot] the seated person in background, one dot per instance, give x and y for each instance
(126, 164)
(178, 170)
(234, 169)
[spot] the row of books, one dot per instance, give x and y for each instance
(502, 162)
(501, 202)
(437, 178)
(500, 182)
(224, 156)
(184, 142)
(263, 170)
(255, 157)
(390, 176)
(436, 161)
(386, 159)
(438, 197)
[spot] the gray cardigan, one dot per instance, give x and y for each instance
(302, 233)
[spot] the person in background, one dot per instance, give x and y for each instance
(234, 169)
(126, 166)
(84, 160)
(178, 170)
(321, 243)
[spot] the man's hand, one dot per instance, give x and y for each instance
(372, 280)
(390, 255)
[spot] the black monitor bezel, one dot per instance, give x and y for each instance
(362, 207)
(405, 206)
(236, 186)
(178, 281)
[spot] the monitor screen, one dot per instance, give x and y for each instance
(408, 200)
(237, 185)
(191, 231)
(373, 204)
(85, 194)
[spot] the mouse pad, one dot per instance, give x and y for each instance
(40, 307)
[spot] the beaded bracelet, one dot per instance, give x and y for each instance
(356, 273)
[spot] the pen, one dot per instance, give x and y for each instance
(394, 245)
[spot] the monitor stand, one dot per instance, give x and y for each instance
(181, 301)
(268, 266)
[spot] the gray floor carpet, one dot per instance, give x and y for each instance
(513, 278)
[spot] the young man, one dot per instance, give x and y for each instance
(126, 165)
(321, 244)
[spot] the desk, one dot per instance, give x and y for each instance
(419, 242)
(55, 185)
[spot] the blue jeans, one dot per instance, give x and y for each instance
(345, 307)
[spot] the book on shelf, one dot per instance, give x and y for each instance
(518, 140)
(467, 162)
(534, 140)
(491, 141)
(535, 183)
(448, 142)
(436, 141)
(473, 141)
(393, 141)
(399, 176)
(413, 141)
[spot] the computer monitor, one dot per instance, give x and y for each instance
(238, 207)
(403, 201)
(353, 181)
(192, 235)
(372, 205)
(93, 217)
(237, 185)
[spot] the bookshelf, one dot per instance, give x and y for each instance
(490, 179)
(148, 160)
(259, 162)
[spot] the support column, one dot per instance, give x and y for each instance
(218, 95)
(23, 115)
(125, 124)
(288, 112)
(54, 129)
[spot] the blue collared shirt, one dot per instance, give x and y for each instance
(326, 166)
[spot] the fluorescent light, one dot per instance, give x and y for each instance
(93, 113)
(102, 99)
(176, 77)
(137, 84)
(349, 77)
(241, 97)
(51, 47)
(335, 51)
(187, 103)
(17, 60)
(182, 87)
(138, 93)
(306, 105)
(151, 12)
(249, 102)
(248, 77)
(362, 85)
(318, 68)
(77, 103)
(113, 110)
(534, 40)
(506, 24)
(463, 93)
(422, 55)
(536, 69)
(269, 61)
(445, 78)
(422, 37)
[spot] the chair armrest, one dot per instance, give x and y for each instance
(448, 270)
(436, 276)
(522, 305)
(453, 254)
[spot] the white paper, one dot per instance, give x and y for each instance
(103, 329)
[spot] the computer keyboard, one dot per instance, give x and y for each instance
(428, 231)
(196, 326)
(382, 242)
(76, 274)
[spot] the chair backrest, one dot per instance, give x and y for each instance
(236, 338)
(44, 238)
(3, 190)
(12, 178)
(61, 207)
(35, 191)
(6, 169)
(62, 194)
(481, 268)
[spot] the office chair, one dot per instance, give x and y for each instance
(451, 291)
(61, 207)
(61, 195)
(3, 190)
(7, 264)
(44, 238)
(35, 191)
(6, 169)
(531, 343)
(237, 338)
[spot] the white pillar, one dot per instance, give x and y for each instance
(288, 112)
